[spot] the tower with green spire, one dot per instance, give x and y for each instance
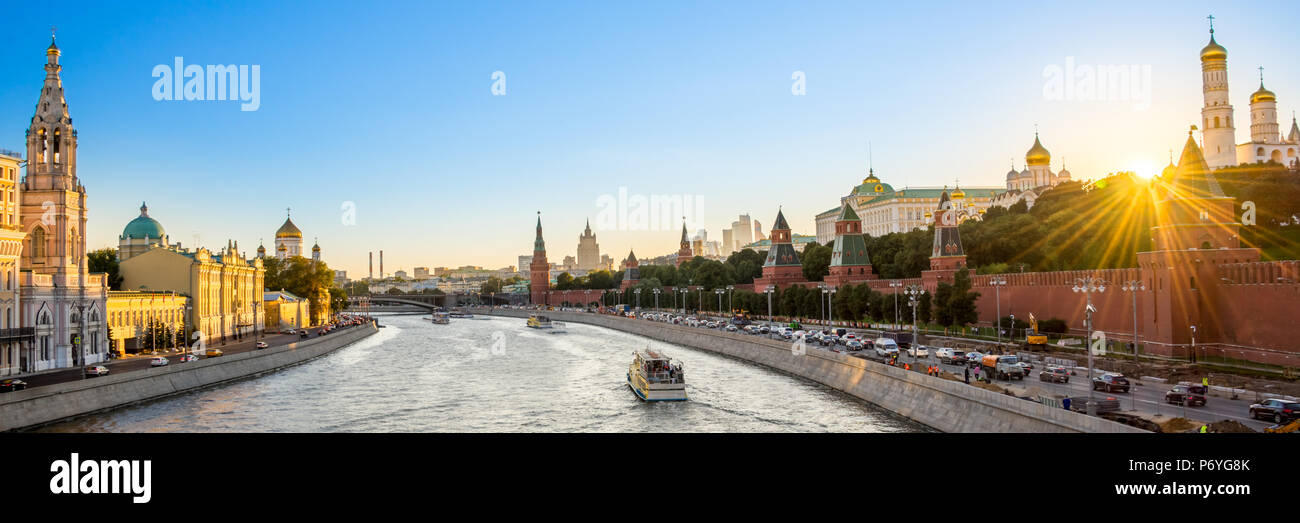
(540, 270)
(850, 262)
(782, 266)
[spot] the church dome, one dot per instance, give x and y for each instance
(1012, 174)
(1213, 51)
(288, 230)
(958, 194)
(1262, 95)
(1038, 155)
(144, 226)
(871, 177)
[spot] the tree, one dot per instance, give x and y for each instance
(816, 261)
(105, 261)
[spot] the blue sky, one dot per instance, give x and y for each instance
(389, 106)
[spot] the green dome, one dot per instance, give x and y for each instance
(144, 226)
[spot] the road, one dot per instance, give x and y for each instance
(135, 363)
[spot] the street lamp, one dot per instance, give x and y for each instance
(830, 306)
(1193, 344)
(719, 292)
(730, 306)
(656, 293)
(821, 304)
(895, 284)
(637, 292)
(997, 284)
(1087, 286)
(768, 291)
(1133, 286)
(914, 293)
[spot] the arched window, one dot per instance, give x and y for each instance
(38, 242)
(1205, 246)
(40, 145)
(1259, 152)
(58, 133)
(1216, 122)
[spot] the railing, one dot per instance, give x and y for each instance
(665, 377)
(18, 334)
(7, 152)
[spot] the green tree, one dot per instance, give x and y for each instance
(816, 261)
(105, 261)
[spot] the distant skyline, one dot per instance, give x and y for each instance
(388, 111)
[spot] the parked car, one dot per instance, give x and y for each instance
(11, 385)
(918, 351)
(96, 370)
(953, 356)
(1186, 394)
(159, 362)
(1055, 374)
(1280, 411)
(213, 353)
(1110, 383)
(261, 345)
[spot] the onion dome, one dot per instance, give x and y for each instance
(1262, 95)
(1038, 155)
(316, 248)
(288, 230)
(958, 194)
(52, 49)
(1213, 51)
(1012, 174)
(144, 226)
(871, 177)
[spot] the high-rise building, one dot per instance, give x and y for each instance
(588, 250)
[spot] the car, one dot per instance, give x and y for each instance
(261, 345)
(1186, 394)
(186, 358)
(11, 385)
(289, 332)
(732, 328)
(213, 353)
(159, 362)
(1026, 367)
(973, 358)
(303, 333)
(1055, 374)
(1110, 382)
(96, 370)
(951, 356)
(853, 345)
(918, 351)
(1280, 411)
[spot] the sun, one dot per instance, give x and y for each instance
(1144, 169)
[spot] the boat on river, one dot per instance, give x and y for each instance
(537, 321)
(655, 377)
(441, 318)
(461, 313)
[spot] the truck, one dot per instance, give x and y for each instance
(903, 339)
(1002, 366)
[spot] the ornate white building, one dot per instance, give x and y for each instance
(288, 240)
(884, 210)
(1037, 177)
(59, 297)
(1218, 132)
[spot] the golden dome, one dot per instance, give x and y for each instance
(288, 230)
(871, 178)
(1213, 51)
(958, 194)
(1262, 95)
(1038, 154)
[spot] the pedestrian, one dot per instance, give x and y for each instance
(968, 375)
(977, 373)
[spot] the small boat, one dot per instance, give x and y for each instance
(441, 318)
(557, 327)
(537, 321)
(654, 377)
(461, 313)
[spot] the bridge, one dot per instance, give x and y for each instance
(430, 302)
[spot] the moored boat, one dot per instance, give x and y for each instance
(654, 377)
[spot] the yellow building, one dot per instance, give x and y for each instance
(132, 313)
(12, 337)
(224, 288)
(286, 311)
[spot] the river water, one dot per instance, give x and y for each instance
(495, 375)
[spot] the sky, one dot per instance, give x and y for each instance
(379, 127)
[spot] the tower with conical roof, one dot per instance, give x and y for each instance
(631, 275)
(782, 266)
(684, 250)
(850, 262)
(1263, 114)
(947, 256)
(540, 270)
(1195, 233)
(1218, 131)
(315, 251)
(288, 239)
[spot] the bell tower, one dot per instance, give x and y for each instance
(53, 207)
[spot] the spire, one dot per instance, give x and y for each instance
(144, 209)
(538, 244)
(684, 238)
(1193, 177)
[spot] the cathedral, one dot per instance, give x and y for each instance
(59, 298)
(1218, 131)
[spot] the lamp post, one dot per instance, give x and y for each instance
(997, 284)
(830, 306)
(895, 284)
(1087, 286)
(1193, 344)
(656, 292)
(1133, 286)
(637, 292)
(719, 292)
(821, 305)
(914, 293)
(768, 290)
(730, 291)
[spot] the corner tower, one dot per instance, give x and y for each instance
(849, 259)
(539, 271)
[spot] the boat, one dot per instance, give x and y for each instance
(557, 327)
(537, 321)
(654, 377)
(461, 313)
(441, 318)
